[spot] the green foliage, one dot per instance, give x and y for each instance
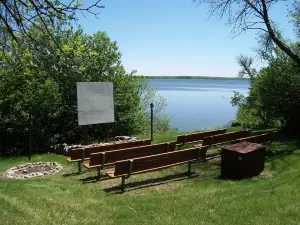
(273, 99)
(38, 79)
(238, 99)
(161, 122)
(235, 123)
(248, 118)
(278, 86)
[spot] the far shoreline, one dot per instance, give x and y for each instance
(194, 77)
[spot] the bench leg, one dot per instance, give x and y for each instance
(203, 153)
(99, 173)
(189, 169)
(79, 167)
(123, 184)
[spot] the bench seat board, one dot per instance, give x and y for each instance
(214, 141)
(77, 154)
(112, 172)
(197, 137)
(262, 138)
(88, 166)
(227, 137)
(150, 163)
(123, 154)
(76, 160)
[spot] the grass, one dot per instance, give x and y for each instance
(162, 197)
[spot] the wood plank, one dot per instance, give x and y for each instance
(262, 138)
(157, 161)
(112, 172)
(123, 154)
(227, 137)
(76, 154)
(197, 137)
(200, 136)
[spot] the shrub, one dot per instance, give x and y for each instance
(274, 96)
(279, 90)
(38, 81)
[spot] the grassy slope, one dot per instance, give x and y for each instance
(163, 197)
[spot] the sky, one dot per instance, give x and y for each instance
(175, 37)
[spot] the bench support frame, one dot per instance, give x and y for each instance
(126, 177)
(123, 184)
(82, 160)
(79, 166)
(189, 169)
(98, 173)
(102, 159)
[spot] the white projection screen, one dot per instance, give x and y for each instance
(95, 101)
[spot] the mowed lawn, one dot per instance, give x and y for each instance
(163, 197)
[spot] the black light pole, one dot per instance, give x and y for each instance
(151, 106)
(30, 138)
(85, 134)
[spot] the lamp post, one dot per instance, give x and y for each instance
(151, 107)
(30, 138)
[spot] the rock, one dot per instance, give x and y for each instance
(63, 148)
(21, 172)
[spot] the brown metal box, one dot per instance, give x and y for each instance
(242, 160)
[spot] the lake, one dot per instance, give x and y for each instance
(195, 104)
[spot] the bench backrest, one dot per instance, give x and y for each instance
(227, 137)
(111, 157)
(260, 139)
(84, 153)
(196, 137)
(223, 138)
(153, 162)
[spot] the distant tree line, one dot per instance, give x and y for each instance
(196, 77)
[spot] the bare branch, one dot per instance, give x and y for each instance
(246, 64)
(239, 13)
(18, 15)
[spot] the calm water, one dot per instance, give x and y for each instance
(195, 104)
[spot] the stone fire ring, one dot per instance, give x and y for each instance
(31, 170)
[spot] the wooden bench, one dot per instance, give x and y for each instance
(100, 160)
(79, 155)
(196, 137)
(217, 140)
(259, 139)
(127, 168)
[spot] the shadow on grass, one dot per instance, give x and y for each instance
(75, 173)
(280, 154)
(94, 179)
(286, 144)
(149, 183)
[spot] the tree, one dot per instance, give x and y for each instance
(251, 15)
(246, 64)
(16, 16)
(37, 78)
(277, 89)
(295, 16)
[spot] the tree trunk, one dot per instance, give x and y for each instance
(277, 41)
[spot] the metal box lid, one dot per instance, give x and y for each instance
(244, 147)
